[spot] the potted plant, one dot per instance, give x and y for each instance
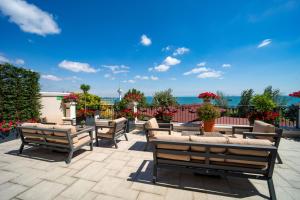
(72, 97)
(208, 113)
(295, 94)
(207, 96)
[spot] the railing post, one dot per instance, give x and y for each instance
(298, 117)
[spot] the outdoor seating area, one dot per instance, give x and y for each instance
(182, 167)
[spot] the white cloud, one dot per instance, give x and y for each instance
(173, 79)
(264, 43)
(117, 69)
(145, 40)
(202, 64)
(51, 77)
(196, 70)
(181, 51)
(109, 76)
(210, 74)
(3, 59)
(73, 78)
(171, 61)
(162, 68)
(20, 61)
(141, 77)
(226, 65)
(154, 78)
(29, 17)
(76, 66)
(150, 69)
(131, 81)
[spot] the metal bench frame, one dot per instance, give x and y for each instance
(210, 168)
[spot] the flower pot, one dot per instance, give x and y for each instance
(209, 125)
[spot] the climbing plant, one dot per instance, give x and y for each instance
(19, 93)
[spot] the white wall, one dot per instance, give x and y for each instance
(51, 106)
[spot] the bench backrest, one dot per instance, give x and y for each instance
(247, 158)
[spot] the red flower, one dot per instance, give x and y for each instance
(295, 94)
(208, 95)
(71, 97)
(133, 97)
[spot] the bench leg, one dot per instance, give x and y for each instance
(271, 189)
(126, 136)
(21, 148)
(146, 146)
(154, 174)
(279, 159)
(68, 160)
(115, 143)
(97, 140)
(91, 146)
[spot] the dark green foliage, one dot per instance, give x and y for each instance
(274, 94)
(291, 113)
(244, 106)
(19, 93)
(222, 101)
(164, 99)
(123, 104)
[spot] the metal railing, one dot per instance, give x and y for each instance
(231, 115)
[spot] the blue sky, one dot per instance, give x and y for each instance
(189, 46)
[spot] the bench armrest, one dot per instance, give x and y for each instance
(166, 125)
(158, 129)
(249, 128)
(254, 134)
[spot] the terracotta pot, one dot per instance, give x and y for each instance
(209, 125)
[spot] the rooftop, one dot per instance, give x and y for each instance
(125, 173)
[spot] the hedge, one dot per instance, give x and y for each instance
(19, 93)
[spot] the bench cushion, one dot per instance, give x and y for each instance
(262, 127)
(209, 140)
(152, 123)
(172, 138)
(256, 142)
(174, 157)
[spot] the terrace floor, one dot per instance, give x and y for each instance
(126, 173)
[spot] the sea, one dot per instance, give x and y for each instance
(232, 100)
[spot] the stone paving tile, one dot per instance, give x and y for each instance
(126, 172)
(116, 187)
(149, 196)
(79, 164)
(72, 172)
(106, 197)
(9, 190)
(93, 172)
(116, 164)
(149, 188)
(6, 176)
(174, 194)
(96, 156)
(27, 179)
(66, 180)
(89, 196)
(78, 189)
(55, 173)
(43, 191)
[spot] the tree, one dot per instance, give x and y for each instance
(85, 89)
(164, 99)
(222, 100)
(275, 95)
(244, 104)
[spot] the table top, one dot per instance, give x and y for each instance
(86, 128)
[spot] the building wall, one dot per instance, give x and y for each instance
(51, 106)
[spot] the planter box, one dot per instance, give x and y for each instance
(5, 137)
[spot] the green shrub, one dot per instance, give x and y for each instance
(19, 93)
(207, 112)
(164, 99)
(263, 103)
(91, 101)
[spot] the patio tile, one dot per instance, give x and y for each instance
(106, 197)
(78, 189)
(93, 172)
(115, 164)
(89, 196)
(6, 176)
(55, 173)
(43, 191)
(96, 156)
(79, 164)
(9, 190)
(174, 194)
(149, 188)
(149, 196)
(66, 180)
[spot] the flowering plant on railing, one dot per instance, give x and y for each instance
(207, 96)
(295, 94)
(129, 114)
(72, 97)
(165, 115)
(83, 113)
(270, 117)
(133, 97)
